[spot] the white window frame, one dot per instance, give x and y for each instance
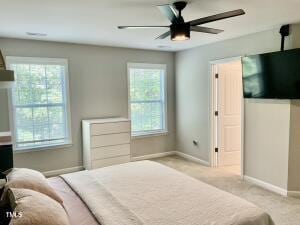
(66, 95)
(163, 67)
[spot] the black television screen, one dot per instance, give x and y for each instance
(272, 75)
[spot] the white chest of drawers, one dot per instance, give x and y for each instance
(105, 142)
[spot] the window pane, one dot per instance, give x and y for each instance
(24, 133)
(39, 94)
(24, 117)
(145, 84)
(23, 95)
(56, 114)
(41, 123)
(55, 94)
(37, 73)
(39, 104)
(25, 124)
(55, 83)
(41, 132)
(53, 74)
(23, 74)
(57, 131)
(147, 99)
(146, 116)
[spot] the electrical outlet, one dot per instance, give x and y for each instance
(195, 142)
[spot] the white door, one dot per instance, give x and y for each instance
(229, 113)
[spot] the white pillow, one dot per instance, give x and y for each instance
(29, 179)
(34, 208)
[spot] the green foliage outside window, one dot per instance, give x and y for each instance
(147, 99)
(39, 103)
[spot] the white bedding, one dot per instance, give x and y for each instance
(149, 193)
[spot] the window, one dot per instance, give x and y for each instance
(39, 102)
(147, 87)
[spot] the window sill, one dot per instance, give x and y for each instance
(149, 134)
(42, 148)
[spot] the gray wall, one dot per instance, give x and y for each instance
(4, 122)
(193, 104)
(98, 88)
(267, 132)
(294, 150)
(294, 153)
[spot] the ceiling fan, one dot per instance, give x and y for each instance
(179, 29)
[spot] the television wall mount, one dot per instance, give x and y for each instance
(284, 31)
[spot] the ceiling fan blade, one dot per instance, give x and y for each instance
(206, 30)
(164, 35)
(141, 27)
(217, 17)
(169, 12)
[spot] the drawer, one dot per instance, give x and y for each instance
(110, 139)
(110, 151)
(110, 128)
(110, 161)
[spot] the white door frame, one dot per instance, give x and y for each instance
(213, 108)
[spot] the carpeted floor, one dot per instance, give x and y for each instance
(283, 210)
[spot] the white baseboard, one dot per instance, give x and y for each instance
(164, 154)
(266, 185)
(53, 173)
(294, 194)
(192, 158)
(152, 156)
(138, 158)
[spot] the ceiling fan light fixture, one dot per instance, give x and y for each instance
(180, 38)
(180, 32)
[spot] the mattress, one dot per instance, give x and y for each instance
(148, 193)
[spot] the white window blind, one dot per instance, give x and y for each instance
(40, 102)
(147, 98)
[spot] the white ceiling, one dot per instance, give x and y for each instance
(95, 21)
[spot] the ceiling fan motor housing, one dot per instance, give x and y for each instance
(180, 5)
(180, 31)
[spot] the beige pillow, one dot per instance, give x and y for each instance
(29, 179)
(34, 208)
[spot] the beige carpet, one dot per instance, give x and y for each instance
(283, 210)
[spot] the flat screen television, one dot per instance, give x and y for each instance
(273, 75)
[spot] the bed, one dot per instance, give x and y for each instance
(149, 193)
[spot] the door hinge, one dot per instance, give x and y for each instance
(216, 149)
(216, 75)
(216, 113)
